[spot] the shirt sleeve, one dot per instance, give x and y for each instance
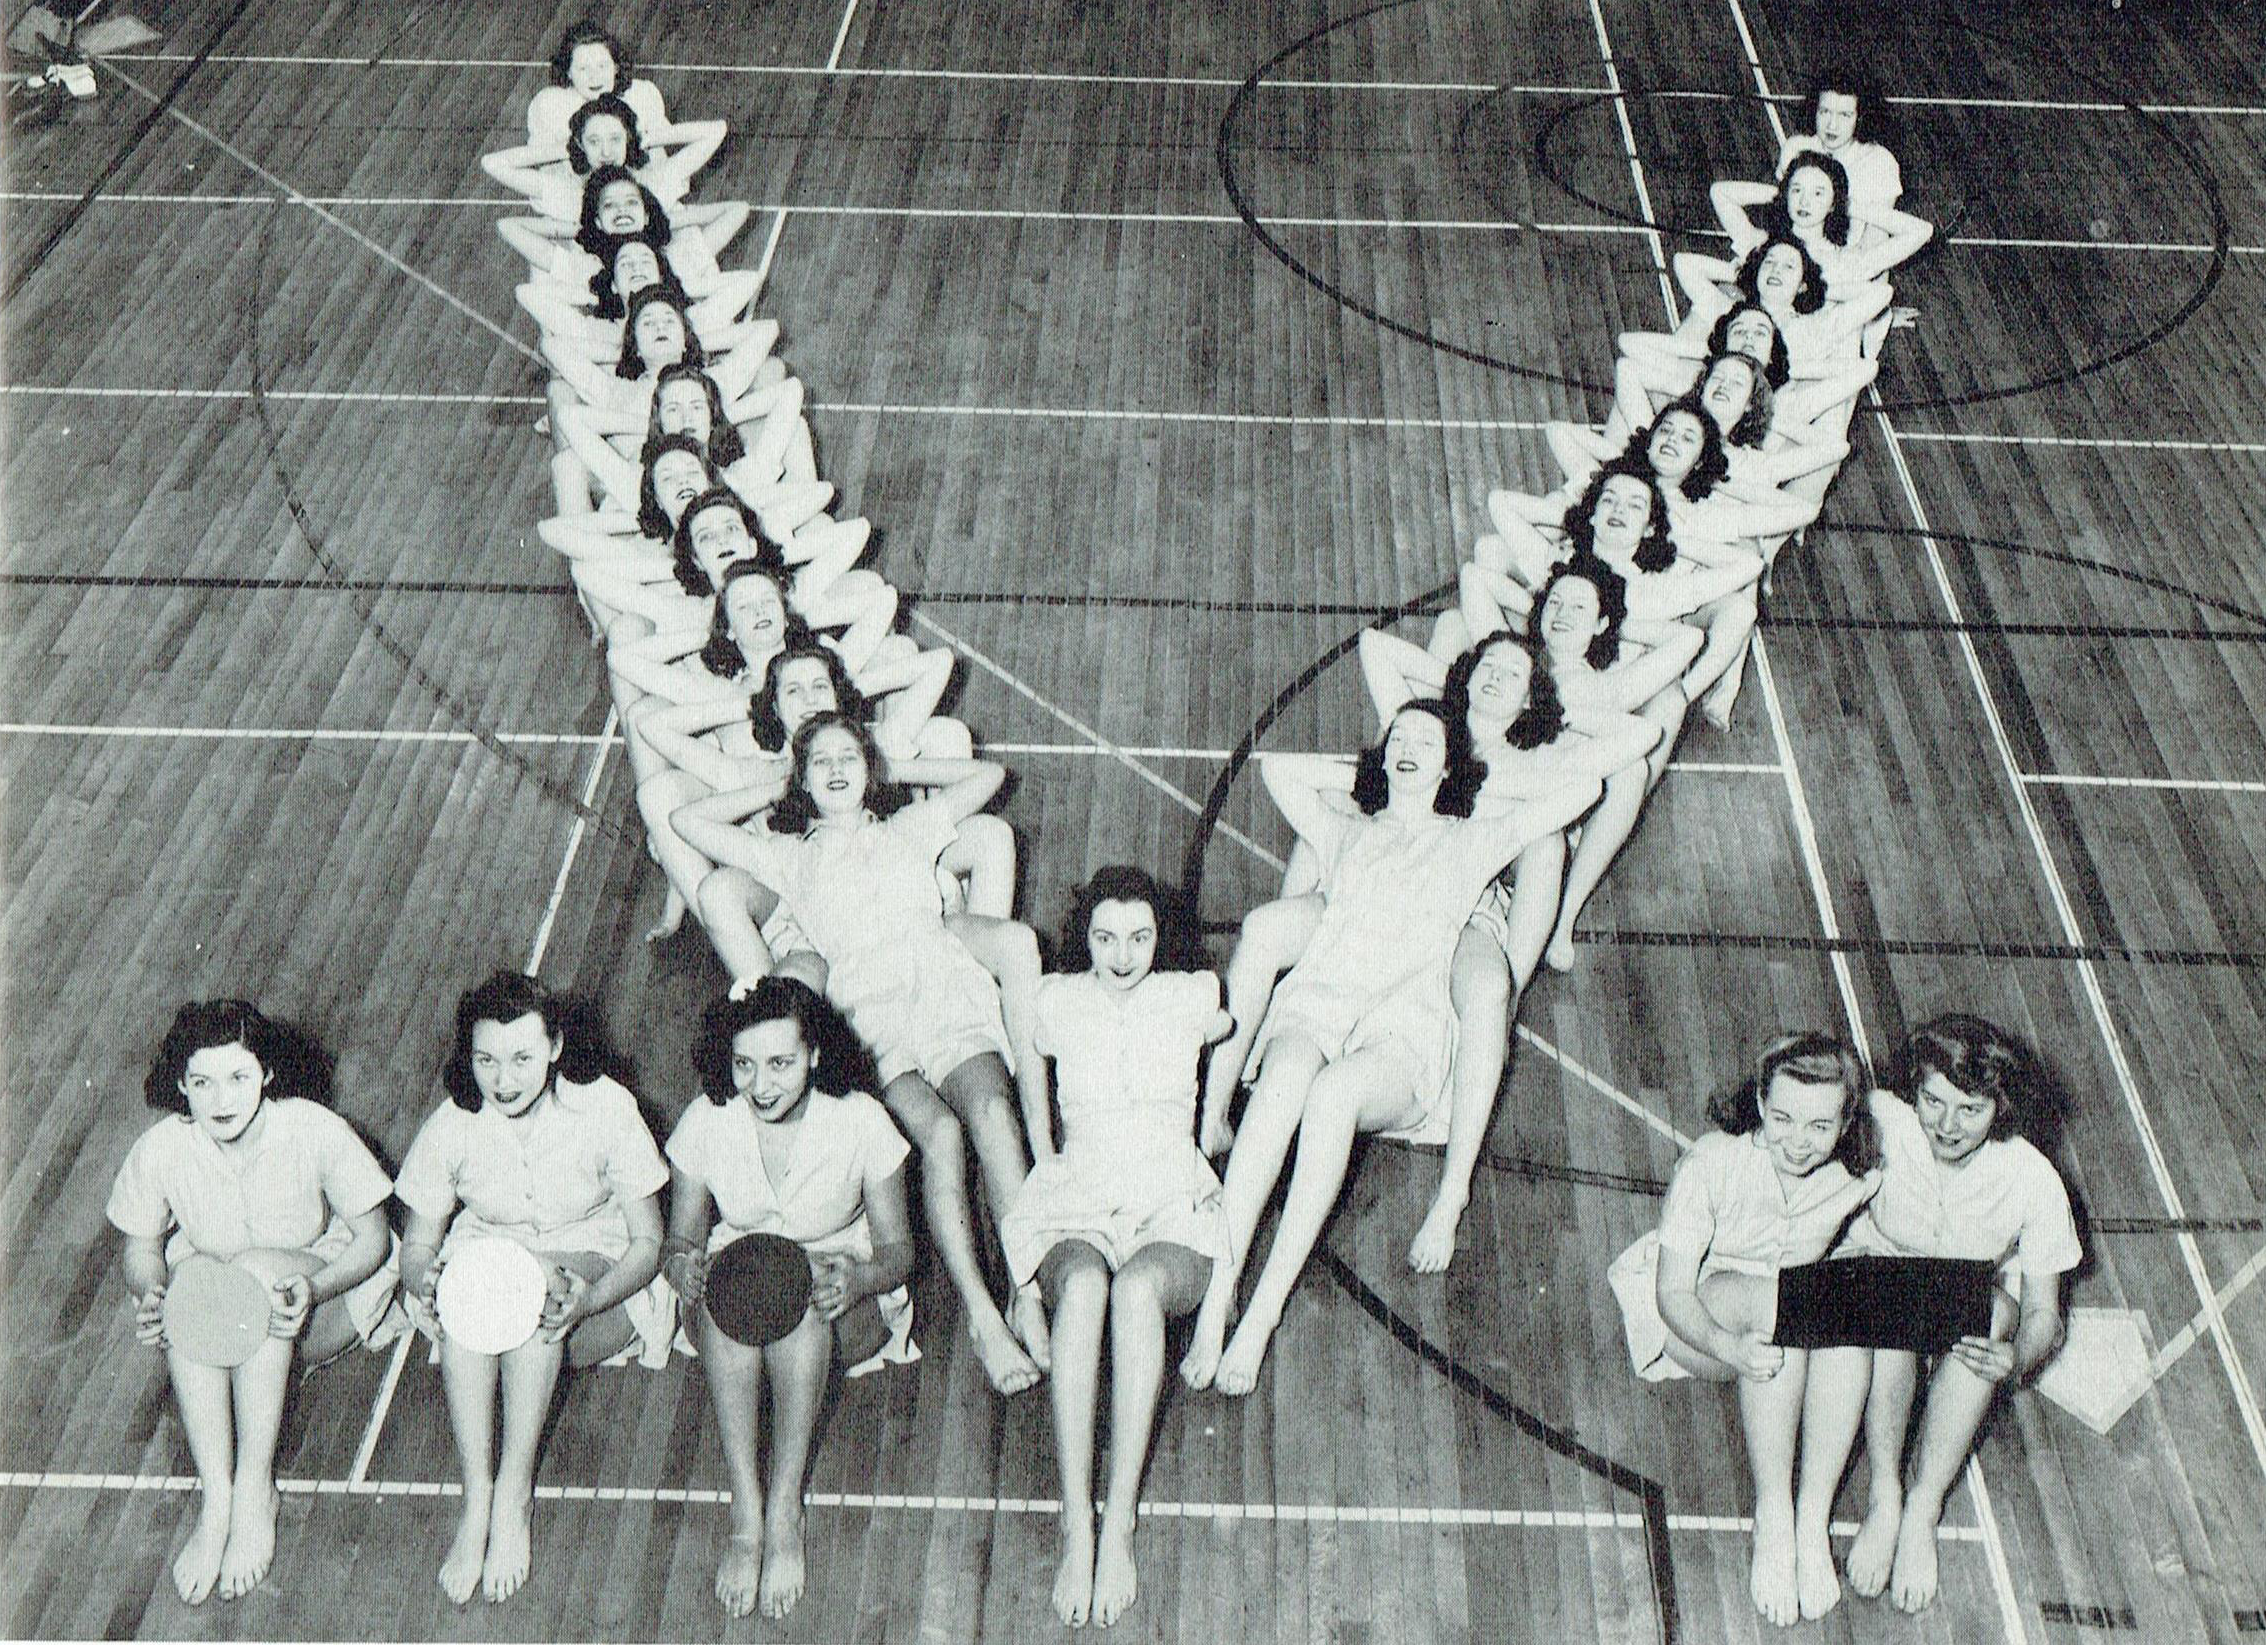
(138, 1206)
(882, 1148)
(427, 1183)
(2047, 1244)
(634, 1167)
(353, 1181)
(1687, 1217)
(1046, 1036)
(687, 1148)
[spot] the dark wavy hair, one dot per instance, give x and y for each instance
(1180, 945)
(578, 159)
(1851, 81)
(725, 447)
(795, 812)
(1612, 605)
(588, 33)
(1711, 467)
(506, 997)
(1809, 296)
(1779, 367)
(1655, 550)
(1754, 422)
(593, 239)
(631, 366)
(1778, 220)
(1814, 1059)
(608, 302)
(776, 999)
(1984, 1060)
(1459, 782)
(721, 655)
(201, 1025)
(652, 518)
(763, 716)
(1544, 714)
(686, 565)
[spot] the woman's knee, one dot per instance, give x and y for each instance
(724, 892)
(1072, 1267)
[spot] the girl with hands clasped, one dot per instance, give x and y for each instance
(1966, 1140)
(251, 1169)
(1794, 1156)
(535, 1145)
(784, 1146)
(1124, 1222)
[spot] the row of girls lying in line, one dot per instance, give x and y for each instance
(779, 727)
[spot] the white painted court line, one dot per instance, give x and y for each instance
(2176, 1347)
(326, 214)
(2179, 785)
(1602, 1086)
(2091, 442)
(1295, 1513)
(302, 734)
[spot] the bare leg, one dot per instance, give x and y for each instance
(932, 1128)
(1363, 1091)
(1076, 1279)
(683, 867)
(1770, 1415)
(1888, 1417)
(1274, 935)
(980, 1091)
(1833, 1403)
(735, 1388)
(208, 1418)
(798, 1363)
(1286, 1075)
(1479, 986)
(470, 1382)
(530, 1372)
(1958, 1400)
(1603, 833)
(733, 905)
(1730, 624)
(1009, 950)
(1158, 1281)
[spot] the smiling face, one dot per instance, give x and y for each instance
(224, 1085)
(1957, 1122)
(1727, 391)
(678, 477)
(636, 266)
(1499, 681)
(1809, 197)
(756, 619)
(1416, 753)
(660, 335)
(605, 140)
(1122, 941)
(1801, 1123)
(805, 687)
(682, 408)
(1778, 277)
(591, 69)
(1622, 515)
(1675, 445)
(1751, 334)
(621, 207)
(834, 773)
(771, 1068)
(1837, 120)
(1572, 617)
(719, 537)
(512, 1063)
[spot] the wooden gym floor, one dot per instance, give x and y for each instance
(1165, 346)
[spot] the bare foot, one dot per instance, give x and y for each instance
(251, 1542)
(460, 1569)
(1912, 1585)
(1009, 1369)
(1074, 1578)
(1771, 1578)
(736, 1575)
(1817, 1589)
(197, 1566)
(1559, 956)
(782, 1560)
(1873, 1555)
(1115, 1586)
(672, 916)
(1026, 1317)
(1202, 1361)
(1435, 1244)
(511, 1540)
(1239, 1366)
